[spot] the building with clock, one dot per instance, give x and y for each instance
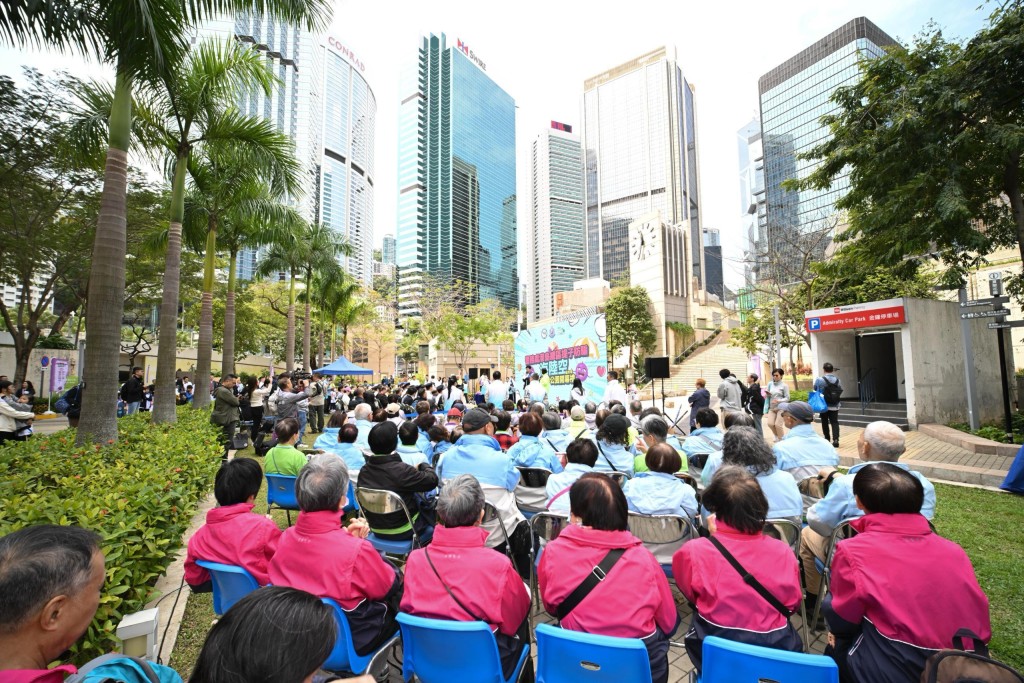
(660, 261)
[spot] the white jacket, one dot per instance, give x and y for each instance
(9, 415)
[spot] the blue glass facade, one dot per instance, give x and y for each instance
(456, 178)
(794, 96)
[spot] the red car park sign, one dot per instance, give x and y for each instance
(871, 314)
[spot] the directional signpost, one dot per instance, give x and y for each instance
(995, 288)
(997, 313)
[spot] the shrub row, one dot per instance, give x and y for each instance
(139, 495)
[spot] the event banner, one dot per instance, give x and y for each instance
(58, 375)
(568, 349)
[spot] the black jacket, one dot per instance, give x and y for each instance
(391, 473)
(132, 390)
(755, 401)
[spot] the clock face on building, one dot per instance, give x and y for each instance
(643, 240)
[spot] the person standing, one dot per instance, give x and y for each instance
(316, 406)
(778, 393)
(577, 393)
(831, 390)
(132, 391)
(614, 390)
(535, 391)
(225, 410)
(730, 393)
(497, 390)
(755, 401)
(700, 398)
(545, 380)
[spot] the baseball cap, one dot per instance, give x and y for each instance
(577, 413)
(801, 410)
(393, 409)
(454, 412)
(476, 418)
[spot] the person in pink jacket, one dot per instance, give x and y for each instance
(634, 600)
(320, 557)
(899, 591)
(458, 578)
(232, 533)
(725, 605)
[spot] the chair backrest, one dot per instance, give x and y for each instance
(663, 535)
(231, 583)
(786, 530)
(534, 477)
(564, 655)
(620, 477)
(281, 491)
(428, 646)
(380, 501)
(727, 661)
(491, 516)
(547, 525)
(343, 657)
(687, 478)
(843, 531)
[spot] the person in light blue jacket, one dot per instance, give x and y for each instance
(613, 453)
(362, 413)
(328, 439)
(731, 420)
(345, 448)
(581, 455)
(802, 452)
(477, 452)
(658, 491)
(554, 435)
(531, 450)
(745, 447)
(408, 450)
(704, 440)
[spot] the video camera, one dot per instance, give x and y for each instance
(298, 374)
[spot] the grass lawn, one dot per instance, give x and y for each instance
(985, 523)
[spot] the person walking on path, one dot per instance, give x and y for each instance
(132, 391)
(777, 393)
(225, 410)
(831, 390)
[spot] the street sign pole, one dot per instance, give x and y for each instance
(969, 372)
(995, 286)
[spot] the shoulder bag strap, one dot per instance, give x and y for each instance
(553, 447)
(449, 590)
(557, 496)
(606, 459)
(596, 576)
(749, 579)
(147, 670)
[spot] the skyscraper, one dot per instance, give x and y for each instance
(640, 145)
(456, 177)
(714, 273)
(794, 96)
(555, 254)
(751, 158)
(346, 185)
(388, 250)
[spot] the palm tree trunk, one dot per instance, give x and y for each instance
(167, 349)
(334, 336)
(227, 366)
(105, 306)
(204, 353)
(306, 332)
(289, 337)
(320, 351)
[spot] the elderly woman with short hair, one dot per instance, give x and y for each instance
(458, 578)
(745, 447)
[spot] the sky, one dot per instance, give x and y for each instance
(541, 52)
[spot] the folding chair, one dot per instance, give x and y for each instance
(343, 657)
(788, 531)
(843, 531)
(663, 535)
(281, 494)
(531, 494)
(230, 584)
(544, 526)
(727, 661)
(694, 483)
(620, 477)
(351, 504)
(564, 655)
(428, 646)
(491, 516)
(682, 417)
(382, 502)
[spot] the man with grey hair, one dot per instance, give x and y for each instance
(879, 442)
(362, 413)
(458, 578)
(635, 408)
(320, 557)
(50, 579)
(590, 416)
(554, 435)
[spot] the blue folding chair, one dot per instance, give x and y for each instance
(343, 657)
(351, 504)
(230, 584)
(726, 661)
(281, 494)
(564, 655)
(428, 646)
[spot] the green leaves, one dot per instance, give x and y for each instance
(628, 313)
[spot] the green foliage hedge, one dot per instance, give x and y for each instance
(138, 494)
(797, 395)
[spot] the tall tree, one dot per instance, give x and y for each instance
(143, 40)
(932, 137)
(283, 257)
(628, 314)
(317, 250)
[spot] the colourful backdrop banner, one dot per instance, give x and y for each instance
(568, 349)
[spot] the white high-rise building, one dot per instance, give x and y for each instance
(555, 254)
(751, 157)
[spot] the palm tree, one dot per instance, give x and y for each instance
(145, 40)
(334, 295)
(319, 249)
(353, 313)
(218, 177)
(283, 257)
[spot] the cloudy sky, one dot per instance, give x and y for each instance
(541, 52)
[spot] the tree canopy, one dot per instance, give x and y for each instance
(628, 314)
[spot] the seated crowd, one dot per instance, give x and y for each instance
(463, 492)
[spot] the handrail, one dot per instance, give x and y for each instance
(697, 342)
(866, 389)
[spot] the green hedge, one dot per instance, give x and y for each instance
(796, 395)
(138, 494)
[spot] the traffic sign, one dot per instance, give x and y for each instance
(1006, 325)
(997, 313)
(998, 275)
(996, 300)
(44, 361)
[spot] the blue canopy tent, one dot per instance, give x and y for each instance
(342, 366)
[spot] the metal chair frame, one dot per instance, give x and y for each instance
(547, 526)
(529, 476)
(841, 532)
(391, 502)
(788, 531)
(647, 528)
(491, 515)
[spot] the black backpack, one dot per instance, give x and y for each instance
(832, 392)
(960, 666)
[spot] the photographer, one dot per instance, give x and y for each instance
(225, 410)
(288, 402)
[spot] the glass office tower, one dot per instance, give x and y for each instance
(555, 250)
(640, 145)
(794, 96)
(456, 177)
(346, 185)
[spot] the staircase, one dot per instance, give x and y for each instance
(895, 412)
(705, 362)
